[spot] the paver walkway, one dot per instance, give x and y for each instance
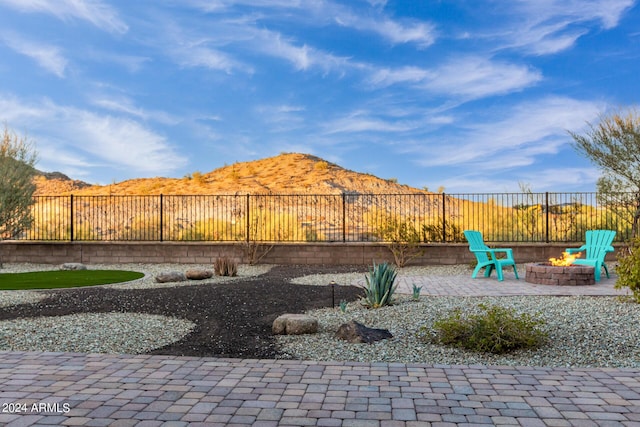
(490, 286)
(120, 390)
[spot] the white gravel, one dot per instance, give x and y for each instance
(115, 333)
(583, 331)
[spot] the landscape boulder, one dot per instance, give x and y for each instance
(295, 324)
(197, 274)
(355, 332)
(73, 266)
(171, 276)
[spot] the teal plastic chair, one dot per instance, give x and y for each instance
(597, 245)
(487, 257)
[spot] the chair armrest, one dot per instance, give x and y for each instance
(575, 250)
(507, 251)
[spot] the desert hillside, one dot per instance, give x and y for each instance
(290, 173)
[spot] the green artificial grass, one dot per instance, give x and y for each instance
(64, 279)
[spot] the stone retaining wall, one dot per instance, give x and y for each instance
(283, 253)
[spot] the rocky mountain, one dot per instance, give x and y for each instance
(290, 173)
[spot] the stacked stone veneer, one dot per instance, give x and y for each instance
(285, 253)
(575, 275)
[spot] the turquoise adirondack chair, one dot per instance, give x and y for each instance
(487, 257)
(597, 245)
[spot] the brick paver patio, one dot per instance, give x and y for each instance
(120, 390)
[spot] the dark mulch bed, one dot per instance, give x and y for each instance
(232, 319)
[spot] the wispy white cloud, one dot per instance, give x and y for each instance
(527, 131)
(126, 105)
(301, 56)
(240, 34)
(192, 47)
(221, 5)
(324, 12)
(131, 63)
(540, 180)
(47, 56)
(468, 76)
(281, 118)
(96, 139)
(421, 33)
(95, 12)
(377, 3)
(608, 12)
(545, 179)
(366, 121)
(198, 54)
(376, 21)
(550, 26)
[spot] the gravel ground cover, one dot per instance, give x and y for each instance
(232, 317)
(582, 331)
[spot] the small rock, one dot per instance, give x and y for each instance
(355, 332)
(199, 274)
(295, 324)
(171, 276)
(73, 266)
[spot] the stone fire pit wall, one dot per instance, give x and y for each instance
(546, 274)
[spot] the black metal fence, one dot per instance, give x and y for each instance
(349, 217)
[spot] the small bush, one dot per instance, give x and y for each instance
(198, 177)
(380, 286)
(494, 330)
(403, 238)
(321, 165)
(225, 266)
(628, 270)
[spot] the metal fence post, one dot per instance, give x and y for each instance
(546, 226)
(344, 217)
(248, 220)
(161, 217)
(444, 218)
(71, 218)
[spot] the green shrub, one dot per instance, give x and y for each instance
(225, 266)
(380, 286)
(494, 329)
(628, 270)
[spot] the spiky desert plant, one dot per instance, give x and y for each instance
(415, 295)
(380, 286)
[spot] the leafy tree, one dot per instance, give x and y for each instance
(613, 144)
(17, 158)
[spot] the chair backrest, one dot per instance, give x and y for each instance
(475, 240)
(598, 243)
(477, 245)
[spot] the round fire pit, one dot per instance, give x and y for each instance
(547, 274)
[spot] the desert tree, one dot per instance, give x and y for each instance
(613, 144)
(17, 160)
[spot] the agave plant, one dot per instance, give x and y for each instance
(415, 295)
(380, 286)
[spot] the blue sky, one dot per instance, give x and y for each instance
(469, 95)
